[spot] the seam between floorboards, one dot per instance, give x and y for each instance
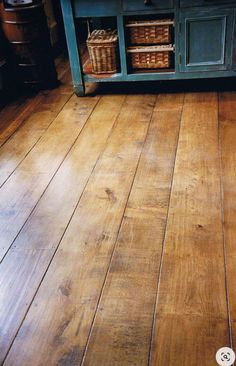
(39, 95)
(23, 118)
(63, 234)
(223, 225)
(57, 169)
(149, 361)
(117, 236)
(36, 142)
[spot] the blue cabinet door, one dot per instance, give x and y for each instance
(206, 39)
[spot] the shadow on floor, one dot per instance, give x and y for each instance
(170, 86)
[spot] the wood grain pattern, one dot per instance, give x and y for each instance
(38, 168)
(107, 260)
(60, 317)
(191, 303)
(14, 115)
(26, 262)
(123, 323)
(34, 116)
(227, 119)
(15, 149)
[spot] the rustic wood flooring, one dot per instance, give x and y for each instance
(117, 228)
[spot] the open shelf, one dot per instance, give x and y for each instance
(122, 74)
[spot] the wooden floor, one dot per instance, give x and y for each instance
(117, 228)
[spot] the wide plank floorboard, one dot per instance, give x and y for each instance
(26, 262)
(123, 325)
(14, 115)
(38, 168)
(67, 299)
(117, 228)
(191, 313)
(227, 123)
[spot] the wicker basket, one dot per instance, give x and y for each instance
(150, 31)
(153, 57)
(102, 47)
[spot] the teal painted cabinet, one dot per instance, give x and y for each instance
(204, 37)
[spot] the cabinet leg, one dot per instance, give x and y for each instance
(79, 90)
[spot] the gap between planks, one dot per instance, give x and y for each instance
(227, 132)
(191, 299)
(113, 328)
(27, 106)
(93, 137)
(37, 170)
(120, 166)
(34, 122)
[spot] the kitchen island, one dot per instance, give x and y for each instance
(204, 41)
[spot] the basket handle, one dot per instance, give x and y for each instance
(88, 28)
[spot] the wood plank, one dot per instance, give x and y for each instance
(16, 113)
(13, 152)
(26, 262)
(57, 325)
(191, 302)
(227, 105)
(24, 188)
(34, 120)
(123, 324)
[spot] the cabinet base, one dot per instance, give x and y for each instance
(79, 90)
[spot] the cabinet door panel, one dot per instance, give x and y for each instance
(205, 40)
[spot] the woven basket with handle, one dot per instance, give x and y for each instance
(102, 47)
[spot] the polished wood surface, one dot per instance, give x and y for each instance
(117, 229)
(191, 295)
(228, 156)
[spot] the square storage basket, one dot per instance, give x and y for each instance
(152, 57)
(150, 31)
(102, 47)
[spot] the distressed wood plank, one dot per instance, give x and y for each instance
(227, 105)
(24, 188)
(57, 325)
(123, 324)
(16, 113)
(36, 116)
(13, 152)
(191, 321)
(25, 264)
